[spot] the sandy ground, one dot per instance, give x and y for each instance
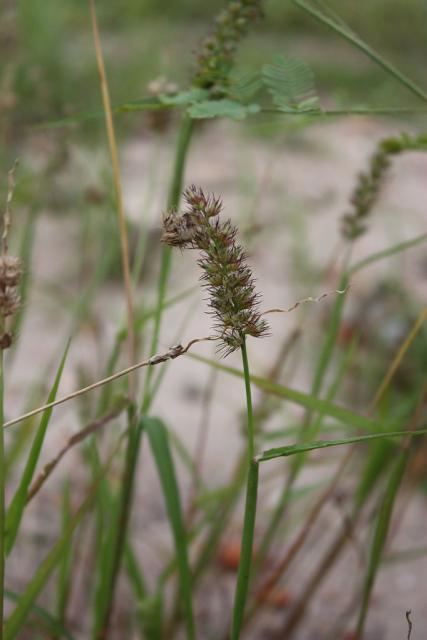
(292, 192)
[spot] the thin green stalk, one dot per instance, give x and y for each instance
(133, 445)
(2, 488)
(183, 144)
(243, 575)
(250, 416)
(371, 53)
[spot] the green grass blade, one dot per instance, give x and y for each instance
(308, 401)
(159, 443)
(243, 575)
(363, 46)
(182, 148)
(280, 452)
(377, 462)
(52, 625)
(65, 566)
(18, 502)
(386, 253)
(380, 535)
(27, 599)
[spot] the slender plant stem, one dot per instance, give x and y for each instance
(2, 488)
(250, 416)
(243, 575)
(134, 440)
(371, 53)
(183, 144)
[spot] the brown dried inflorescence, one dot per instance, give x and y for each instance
(233, 300)
(10, 273)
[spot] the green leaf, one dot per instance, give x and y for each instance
(151, 614)
(66, 565)
(19, 500)
(280, 452)
(244, 86)
(159, 442)
(52, 625)
(27, 599)
(184, 98)
(222, 109)
(300, 398)
(291, 83)
(380, 535)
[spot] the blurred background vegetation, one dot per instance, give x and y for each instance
(48, 68)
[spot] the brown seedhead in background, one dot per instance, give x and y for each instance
(10, 272)
(216, 55)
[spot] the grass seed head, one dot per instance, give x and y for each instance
(216, 55)
(233, 301)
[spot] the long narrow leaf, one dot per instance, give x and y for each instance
(18, 617)
(17, 505)
(159, 443)
(65, 567)
(281, 452)
(380, 535)
(28, 598)
(51, 624)
(300, 398)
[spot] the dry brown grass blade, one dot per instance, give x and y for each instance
(171, 354)
(124, 243)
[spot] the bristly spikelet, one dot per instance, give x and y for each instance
(216, 55)
(369, 183)
(233, 300)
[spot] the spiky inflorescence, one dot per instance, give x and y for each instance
(369, 183)
(216, 55)
(233, 300)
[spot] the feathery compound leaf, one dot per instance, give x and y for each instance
(244, 85)
(291, 83)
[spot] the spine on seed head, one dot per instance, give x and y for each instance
(233, 301)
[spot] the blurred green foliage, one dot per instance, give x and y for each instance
(48, 64)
